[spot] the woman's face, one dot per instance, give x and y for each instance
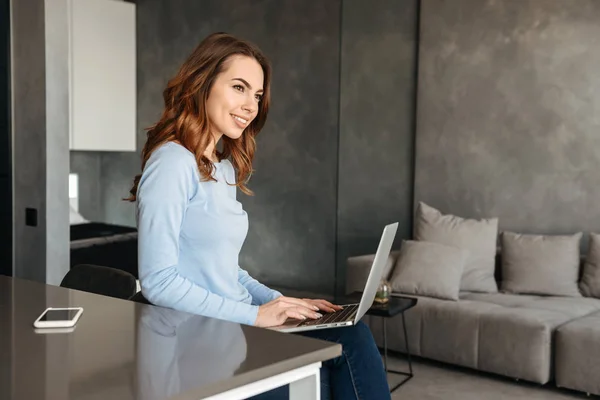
(234, 97)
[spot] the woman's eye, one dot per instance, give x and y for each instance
(258, 97)
(239, 87)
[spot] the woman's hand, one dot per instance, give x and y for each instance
(276, 312)
(323, 305)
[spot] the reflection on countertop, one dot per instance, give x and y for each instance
(179, 352)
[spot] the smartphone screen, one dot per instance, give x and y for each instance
(59, 315)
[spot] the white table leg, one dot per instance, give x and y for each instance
(308, 388)
(304, 384)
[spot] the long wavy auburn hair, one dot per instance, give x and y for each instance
(185, 119)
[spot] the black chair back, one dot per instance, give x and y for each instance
(100, 280)
(139, 298)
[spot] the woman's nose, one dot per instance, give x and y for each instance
(250, 108)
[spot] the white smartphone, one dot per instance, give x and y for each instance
(58, 317)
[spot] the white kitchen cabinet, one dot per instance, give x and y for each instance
(102, 75)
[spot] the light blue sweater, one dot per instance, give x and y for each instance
(189, 237)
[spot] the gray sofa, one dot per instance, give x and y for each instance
(534, 338)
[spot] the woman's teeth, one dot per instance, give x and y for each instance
(242, 120)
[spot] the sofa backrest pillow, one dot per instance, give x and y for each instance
(540, 264)
(477, 237)
(428, 269)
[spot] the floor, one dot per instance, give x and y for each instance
(433, 381)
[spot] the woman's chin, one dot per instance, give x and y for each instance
(234, 135)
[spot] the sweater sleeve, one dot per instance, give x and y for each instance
(164, 191)
(259, 292)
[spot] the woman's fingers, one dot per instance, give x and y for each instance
(298, 313)
(277, 311)
(325, 305)
(289, 313)
(328, 309)
(331, 305)
(308, 313)
(307, 307)
(303, 311)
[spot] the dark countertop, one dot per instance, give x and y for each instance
(126, 350)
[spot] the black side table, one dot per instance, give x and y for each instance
(396, 305)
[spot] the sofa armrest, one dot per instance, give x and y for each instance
(358, 268)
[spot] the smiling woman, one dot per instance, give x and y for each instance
(191, 227)
(222, 91)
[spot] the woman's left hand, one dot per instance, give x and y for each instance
(323, 305)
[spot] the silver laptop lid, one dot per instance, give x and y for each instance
(383, 251)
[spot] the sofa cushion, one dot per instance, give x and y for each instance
(510, 341)
(540, 264)
(501, 299)
(577, 355)
(517, 342)
(574, 307)
(479, 237)
(428, 269)
(450, 331)
(590, 280)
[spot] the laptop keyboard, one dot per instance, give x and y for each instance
(347, 313)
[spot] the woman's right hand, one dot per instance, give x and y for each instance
(276, 312)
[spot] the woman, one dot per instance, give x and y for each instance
(191, 227)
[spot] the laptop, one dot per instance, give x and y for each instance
(351, 313)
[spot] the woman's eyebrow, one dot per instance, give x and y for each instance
(246, 83)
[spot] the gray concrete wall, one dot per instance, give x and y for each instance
(29, 136)
(376, 136)
(508, 121)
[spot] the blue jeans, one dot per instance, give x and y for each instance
(357, 374)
